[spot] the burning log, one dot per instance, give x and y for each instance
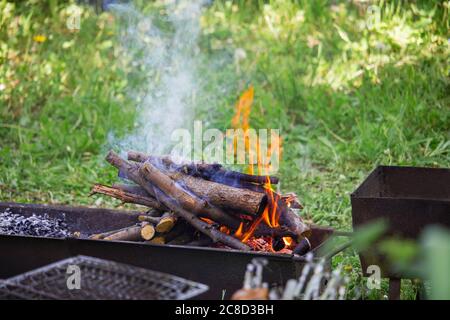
(291, 200)
(230, 216)
(127, 197)
(293, 222)
(159, 180)
(220, 195)
(202, 226)
(209, 171)
(185, 199)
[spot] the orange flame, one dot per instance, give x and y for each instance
(270, 215)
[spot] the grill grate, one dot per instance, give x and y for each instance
(100, 279)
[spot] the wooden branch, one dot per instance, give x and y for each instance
(162, 238)
(202, 226)
(206, 170)
(130, 188)
(292, 221)
(126, 197)
(152, 220)
(291, 199)
(147, 231)
(99, 236)
(185, 199)
(181, 239)
(129, 234)
(220, 195)
(166, 222)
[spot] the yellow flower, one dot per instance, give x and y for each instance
(348, 268)
(39, 38)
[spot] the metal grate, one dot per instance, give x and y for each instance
(99, 279)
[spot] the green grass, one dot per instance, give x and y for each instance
(349, 92)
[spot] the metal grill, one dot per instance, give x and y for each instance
(100, 279)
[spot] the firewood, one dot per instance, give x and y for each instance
(202, 226)
(153, 220)
(167, 162)
(291, 199)
(192, 219)
(185, 199)
(193, 204)
(207, 171)
(181, 239)
(162, 238)
(220, 195)
(129, 234)
(130, 188)
(126, 197)
(166, 222)
(147, 231)
(98, 236)
(157, 240)
(292, 221)
(303, 247)
(202, 241)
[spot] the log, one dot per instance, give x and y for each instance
(202, 241)
(162, 238)
(185, 199)
(130, 188)
(166, 222)
(205, 170)
(153, 220)
(131, 172)
(99, 236)
(168, 163)
(291, 199)
(181, 239)
(220, 195)
(129, 234)
(157, 240)
(293, 222)
(147, 231)
(202, 226)
(126, 197)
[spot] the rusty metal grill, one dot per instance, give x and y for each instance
(100, 279)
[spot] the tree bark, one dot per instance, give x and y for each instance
(185, 199)
(220, 195)
(127, 197)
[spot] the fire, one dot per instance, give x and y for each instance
(287, 241)
(208, 221)
(270, 215)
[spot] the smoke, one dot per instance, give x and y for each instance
(163, 51)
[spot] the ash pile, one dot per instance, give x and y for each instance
(34, 225)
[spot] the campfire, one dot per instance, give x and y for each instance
(204, 204)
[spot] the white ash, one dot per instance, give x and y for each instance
(34, 225)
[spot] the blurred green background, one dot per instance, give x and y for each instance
(354, 84)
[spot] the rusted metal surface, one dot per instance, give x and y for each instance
(408, 198)
(222, 270)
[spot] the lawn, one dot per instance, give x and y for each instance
(351, 84)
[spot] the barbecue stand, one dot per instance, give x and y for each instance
(221, 269)
(409, 199)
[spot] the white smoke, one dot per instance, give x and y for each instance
(164, 51)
